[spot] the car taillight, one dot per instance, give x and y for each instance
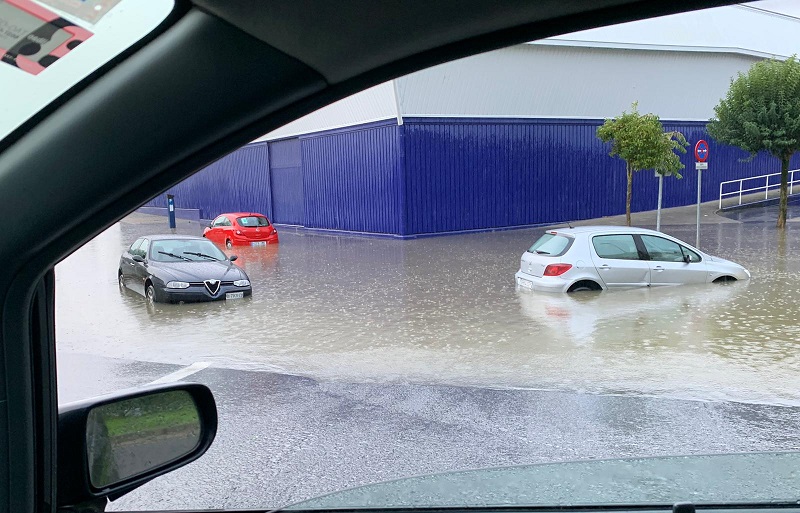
(556, 269)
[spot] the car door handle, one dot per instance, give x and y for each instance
(604, 267)
(658, 268)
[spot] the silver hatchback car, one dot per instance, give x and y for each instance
(611, 257)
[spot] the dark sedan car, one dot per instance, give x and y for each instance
(173, 268)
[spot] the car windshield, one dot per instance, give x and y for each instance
(479, 289)
(176, 250)
(252, 221)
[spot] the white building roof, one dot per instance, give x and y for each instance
(747, 29)
(677, 67)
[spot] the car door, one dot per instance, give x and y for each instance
(128, 265)
(214, 234)
(226, 229)
(139, 269)
(668, 262)
(619, 261)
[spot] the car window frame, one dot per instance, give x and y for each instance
(637, 244)
(684, 250)
(564, 250)
(238, 223)
(144, 248)
(133, 248)
(30, 452)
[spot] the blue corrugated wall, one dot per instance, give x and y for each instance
(286, 173)
(237, 182)
(442, 175)
(353, 180)
(464, 174)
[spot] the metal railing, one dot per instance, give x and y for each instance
(771, 182)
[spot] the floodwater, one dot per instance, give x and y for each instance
(444, 310)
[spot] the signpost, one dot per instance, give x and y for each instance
(701, 157)
(660, 191)
(171, 212)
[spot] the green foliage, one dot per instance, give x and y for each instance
(640, 140)
(761, 111)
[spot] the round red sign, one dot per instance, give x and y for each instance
(701, 151)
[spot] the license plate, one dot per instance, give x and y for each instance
(525, 283)
(261, 243)
(234, 295)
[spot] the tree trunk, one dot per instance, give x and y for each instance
(784, 202)
(628, 196)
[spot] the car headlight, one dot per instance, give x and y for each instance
(242, 283)
(177, 285)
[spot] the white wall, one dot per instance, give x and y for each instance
(563, 81)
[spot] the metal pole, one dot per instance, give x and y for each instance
(660, 188)
(697, 238)
(171, 211)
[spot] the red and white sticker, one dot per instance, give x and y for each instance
(32, 38)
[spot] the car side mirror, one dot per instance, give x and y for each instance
(687, 259)
(232, 258)
(111, 445)
(138, 258)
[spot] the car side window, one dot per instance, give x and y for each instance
(219, 221)
(693, 256)
(662, 250)
(617, 247)
(143, 248)
(135, 246)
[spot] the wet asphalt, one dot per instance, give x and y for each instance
(424, 376)
(283, 438)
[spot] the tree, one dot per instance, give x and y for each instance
(640, 140)
(761, 112)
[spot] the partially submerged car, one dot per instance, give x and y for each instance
(173, 269)
(241, 229)
(610, 257)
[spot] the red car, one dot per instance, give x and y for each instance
(241, 229)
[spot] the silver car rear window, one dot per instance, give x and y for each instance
(551, 244)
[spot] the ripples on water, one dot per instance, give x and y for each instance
(445, 310)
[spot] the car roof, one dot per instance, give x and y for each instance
(171, 237)
(242, 214)
(604, 228)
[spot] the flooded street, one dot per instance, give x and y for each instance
(360, 360)
(444, 310)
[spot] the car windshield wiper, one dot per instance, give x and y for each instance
(173, 255)
(200, 255)
(542, 252)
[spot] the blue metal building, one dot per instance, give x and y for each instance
(502, 139)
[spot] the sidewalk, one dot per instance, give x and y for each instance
(669, 216)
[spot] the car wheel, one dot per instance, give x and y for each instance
(585, 286)
(121, 281)
(150, 293)
(228, 244)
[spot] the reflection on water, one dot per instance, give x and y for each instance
(445, 310)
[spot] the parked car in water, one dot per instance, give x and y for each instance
(610, 257)
(173, 269)
(241, 229)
